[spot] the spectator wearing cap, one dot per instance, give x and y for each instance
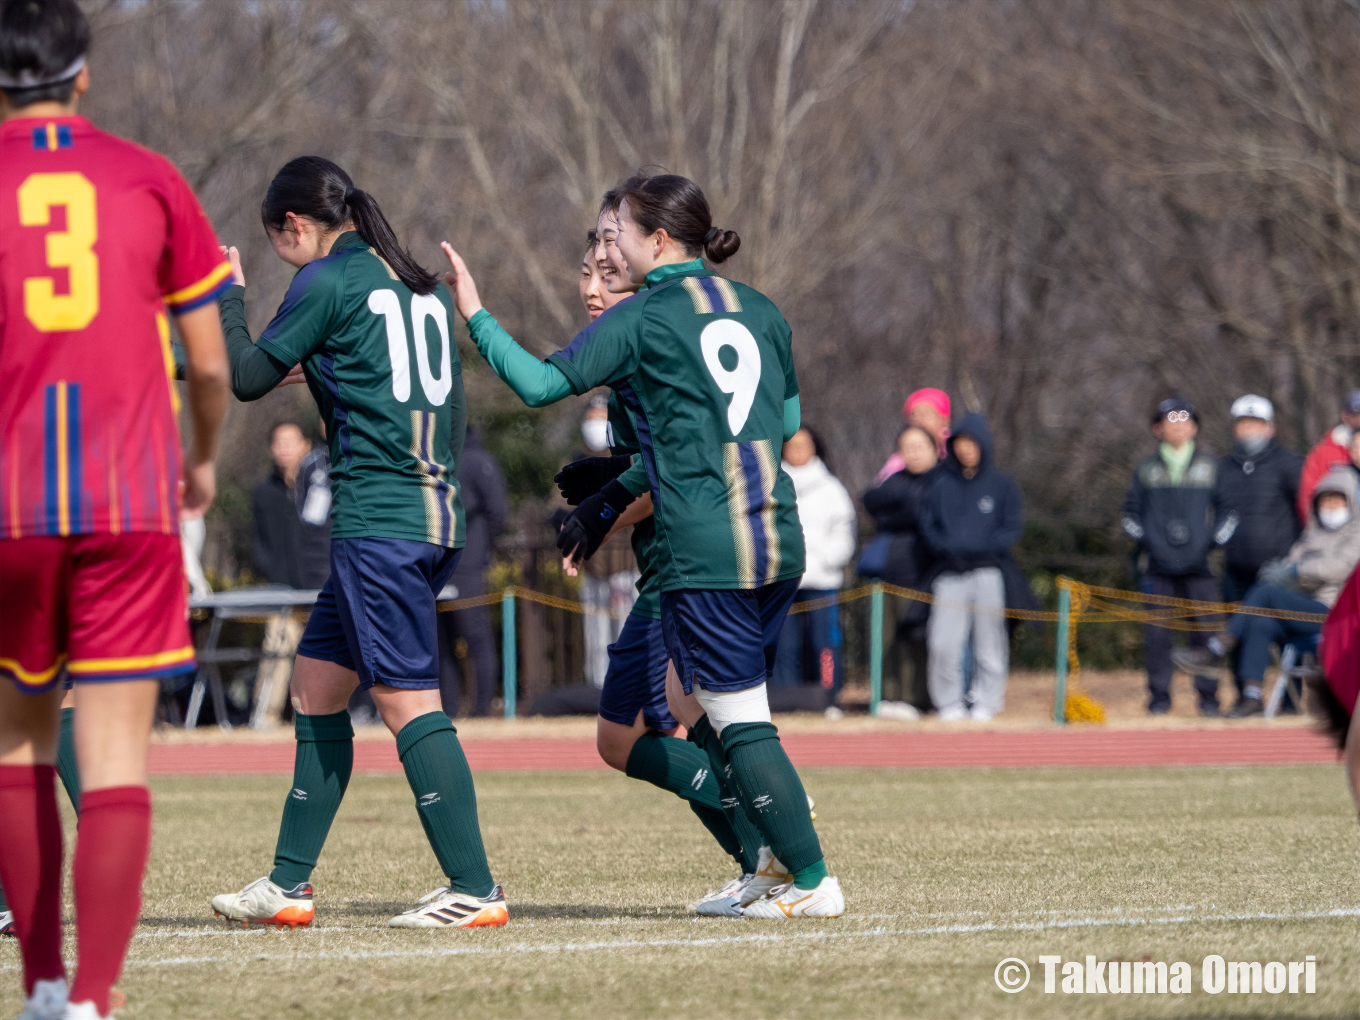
(1176, 512)
(926, 409)
(1260, 480)
(1332, 449)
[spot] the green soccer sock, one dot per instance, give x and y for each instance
(685, 771)
(67, 768)
(321, 767)
(445, 800)
(739, 814)
(767, 781)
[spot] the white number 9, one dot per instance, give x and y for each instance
(741, 381)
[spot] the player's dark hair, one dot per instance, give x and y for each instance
(592, 239)
(43, 38)
(1333, 721)
(314, 187)
(678, 206)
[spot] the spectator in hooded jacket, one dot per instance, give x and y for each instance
(290, 532)
(828, 518)
(1260, 481)
(1331, 450)
(1307, 580)
(898, 506)
(926, 409)
(973, 518)
(1177, 513)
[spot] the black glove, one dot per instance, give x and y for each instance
(589, 475)
(590, 522)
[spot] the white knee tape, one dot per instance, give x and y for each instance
(725, 707)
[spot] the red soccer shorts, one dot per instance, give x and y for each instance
(100, 607)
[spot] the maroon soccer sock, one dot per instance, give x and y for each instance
(30, 867)
(111, 850)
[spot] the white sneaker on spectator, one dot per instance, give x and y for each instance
(953, 713)
(898, 711)
(981, 715)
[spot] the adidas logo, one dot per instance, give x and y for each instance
(299, 794)
(426, 799)
(763, 801)
(698, 781)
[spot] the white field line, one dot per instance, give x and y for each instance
(579, 947)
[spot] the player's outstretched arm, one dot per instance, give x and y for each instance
(205, 368)
(535, 382)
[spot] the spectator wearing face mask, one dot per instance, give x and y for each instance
(1177, 513)
(926, 409)
(1332, 449)
(1260, 480)
(610, 575)
(1307, 580)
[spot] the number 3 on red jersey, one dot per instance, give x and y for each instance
(71, 249)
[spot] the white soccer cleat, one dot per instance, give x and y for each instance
(789, 901)
(82, 1011)
(445, 908)
(48, 1001)
(263, 902)
(7, 924)
(769, 873)
(724, 902)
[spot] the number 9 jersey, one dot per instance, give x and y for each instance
(705, 365)
(99, 238)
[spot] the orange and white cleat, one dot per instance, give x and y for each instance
(445, 908)
(789, 902)
(769, 873)
(263, 902)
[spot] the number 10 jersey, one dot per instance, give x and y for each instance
(99, 238)
(705, 365)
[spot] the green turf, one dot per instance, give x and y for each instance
(598, 869)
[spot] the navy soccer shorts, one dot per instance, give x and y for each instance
(725, 640)
(376, 613)
(636, 679)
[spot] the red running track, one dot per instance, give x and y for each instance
(994, 749)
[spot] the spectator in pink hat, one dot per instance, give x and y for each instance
(928, 409)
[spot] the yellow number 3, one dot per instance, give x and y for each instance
(71, 249)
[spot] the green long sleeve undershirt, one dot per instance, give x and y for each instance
(254, 371)
(537, 383)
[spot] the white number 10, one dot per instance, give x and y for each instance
(387, 304)
(743, 380)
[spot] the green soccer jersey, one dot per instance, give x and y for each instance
(623, 439)
(705, 366)
(395, 418)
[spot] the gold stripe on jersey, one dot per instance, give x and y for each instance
(738, 508)
(728, 292)
(769, 472)
(697, 294)
(390, 271)
(439, 513)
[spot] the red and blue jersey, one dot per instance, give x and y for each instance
(99, 240)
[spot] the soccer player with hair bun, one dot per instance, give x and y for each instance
(705, 365)
(101, 242)
(373, 334)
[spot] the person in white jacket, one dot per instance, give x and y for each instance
(810, 645)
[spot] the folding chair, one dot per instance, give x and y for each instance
(1298, 660)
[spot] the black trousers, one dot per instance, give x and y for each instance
(474, 627)
(1158, 641)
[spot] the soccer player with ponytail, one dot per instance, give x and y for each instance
(706, 367)
(395, 419)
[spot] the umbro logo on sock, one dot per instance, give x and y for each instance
(699, 777)
(426, 799)
(763, 801)
(299, 794)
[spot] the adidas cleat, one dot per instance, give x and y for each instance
(724, 902)
(445, 908)
(263, 902)
(769, 873)
(48, 1001)
(789, 901)
(7, 924)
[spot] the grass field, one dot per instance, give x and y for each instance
(947, 872)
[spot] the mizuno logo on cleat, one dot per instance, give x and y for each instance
(699, 777)
(763, 801)
(426, 799)
(299, 794)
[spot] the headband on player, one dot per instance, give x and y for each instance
(27, 79)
